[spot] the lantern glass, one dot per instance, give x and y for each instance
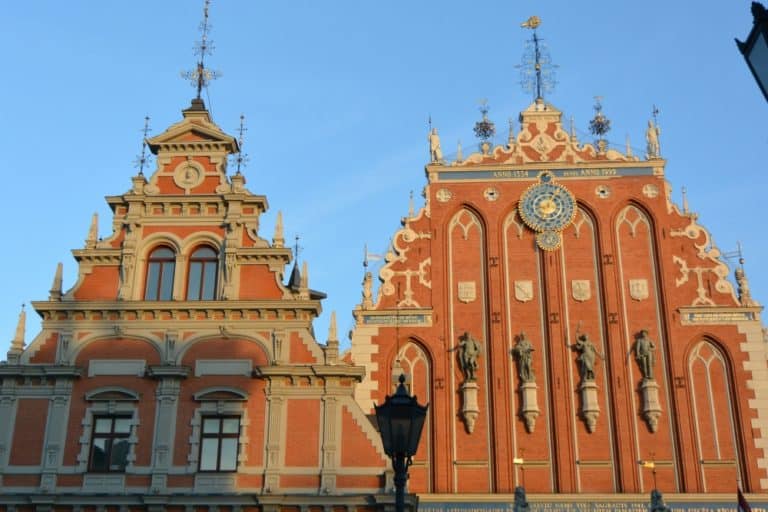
(758, 59)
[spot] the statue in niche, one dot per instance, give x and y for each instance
(469, 350)
(587, 356)
(644, 347)
(435, 152)
(523, 352)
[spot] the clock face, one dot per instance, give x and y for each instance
(549, 240)
(547, 206)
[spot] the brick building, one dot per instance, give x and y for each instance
(564, 319)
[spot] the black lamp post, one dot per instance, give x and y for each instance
(400, 420)
(755, 48)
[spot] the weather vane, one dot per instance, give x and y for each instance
(143, 159)
(241, 159)
(537, 74)
(201, 76)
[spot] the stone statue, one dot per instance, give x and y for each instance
(644, 347)
(587, 355)
(657, 502)
(652, 140)
(469, 350)
(521, 502)
(436, 154)
(523, 351)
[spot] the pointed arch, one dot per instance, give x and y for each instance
(712, 403)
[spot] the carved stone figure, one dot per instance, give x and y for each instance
(652, 140)
(435, 152)
(587, 355)
(644, 347)
(657, 502)
(523, 352)
(469, 350)
(521, 502)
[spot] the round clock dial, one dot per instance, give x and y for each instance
(549, 240)
(547, 206)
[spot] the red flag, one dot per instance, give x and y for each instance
(743, 503)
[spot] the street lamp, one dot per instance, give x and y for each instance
(755, 48)
(400, 420)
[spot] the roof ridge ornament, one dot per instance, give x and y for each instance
(143, 158)
(201, 76)
(537, 74)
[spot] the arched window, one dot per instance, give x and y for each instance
(201, 279)
(162, 263)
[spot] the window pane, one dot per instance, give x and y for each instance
(99, 455)
(211, 425)
(162, 253)
(228, 454)
(122, 425)
(119, 455)
(209, 283)
(103, 425)
(204, 252)
(166, 284)
(231, 425)
(193, 280)
(153, 274)
(208, 454)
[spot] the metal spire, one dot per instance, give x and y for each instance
(201, 76)
(241, 158)
(143, 159)
(536, 71)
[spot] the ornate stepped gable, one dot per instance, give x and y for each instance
(639, 348)
(181, 315)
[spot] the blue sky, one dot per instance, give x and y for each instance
(337, 95)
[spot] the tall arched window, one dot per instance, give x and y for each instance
(162, 263)
(201, 279)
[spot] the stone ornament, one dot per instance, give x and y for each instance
(188, 175)
(638, 289)
(603, 191)
(650, 191)
(491, 194)
(435, 152)
(467, 291)
(443, 195)
(523, 290)
(581, 290)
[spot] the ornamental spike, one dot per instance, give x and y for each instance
(278, 240)
(55, 292)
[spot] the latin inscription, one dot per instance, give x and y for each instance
(558, 173)
(396, 320)
(719, 318)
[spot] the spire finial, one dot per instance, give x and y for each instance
(201, 76)
(332, 346)
(536, 71)
(143, 159)
(410, 205)
(484, 128)
(574, 137)
(332, 331)
(93, 232)
(296, 247)
(17, 344)
(511, 136)
(241, 158)
(304, 283)
(459, 153)
(278, 240)
(55, 292)
(629, 147)
(685, 200)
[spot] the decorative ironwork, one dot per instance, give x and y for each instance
(484, 129)
(143, 159)
(537, 73)
(600, 125)
(201, 76)
(241, 159)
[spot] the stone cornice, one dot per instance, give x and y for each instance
(40, 370)
(245, 198)
(267, 310)
(313, 370)
(99, 255)
(168, 371)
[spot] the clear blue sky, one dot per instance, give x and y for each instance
(337, 96)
